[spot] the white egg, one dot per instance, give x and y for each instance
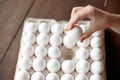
(39, 64)
(96, 54)
(30, 27)
(42, 39)
(54, 52)
(82, 53)
(57, 29)
(52, 76)
(67, 43)
(22, 75)
(68, 66)
(27, 50)
(97, 33)
(96, 42)
(96, 77)
(83, 27)
(82, 66)
(67, 77)
(29, 38)
(55, 40)
(43, 27)
(74, 34)
(53, 65)
(97, 67)
(37, 76)
(81, 77)
(40, 51)
(83, 44)
(25, 63)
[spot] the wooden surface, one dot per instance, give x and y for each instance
(14, 12)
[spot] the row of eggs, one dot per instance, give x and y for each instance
(24, 75)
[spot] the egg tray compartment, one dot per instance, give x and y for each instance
(67, 54)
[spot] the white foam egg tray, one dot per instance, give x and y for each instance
(45, 55)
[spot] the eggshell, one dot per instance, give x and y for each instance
(67, 77)
(29, 38)
(68, 66)
(30, 27)
(42, 39)
(82, 66)
(96, 42)
(55, 40)
(54, 52)
(97, 67)
(52, 76)
(27, 50)
(57, 29)
(83, 27)
(39, 64)
(22, 75)
(74, 34)
(96, 54)
(67, 43)
(83, 44)
(43, 27)
(41, 51)
(96, 77)
(97, 33)
(81, 77)
(25, 63)
(82, 53)
(37, 76)
(53, 65)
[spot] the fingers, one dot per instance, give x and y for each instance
(75, 9)
(81, 14)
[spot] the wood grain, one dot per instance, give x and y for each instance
(12, 14)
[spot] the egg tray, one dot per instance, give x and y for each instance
(67, 54)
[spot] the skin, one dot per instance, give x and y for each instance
(99, 19)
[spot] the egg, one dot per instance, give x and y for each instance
(25, 63)
(54, 52)
(82, 66)
(83, 27)
(97, 67)
(96, 42)
(55, 40)
(67, 77)
(96, 54)
(43, 27)
(27, 50)
(39, 64)
(41, 51)
(74, 34)
(29, 38)
(22, 75)
(37, 76)
(96, 77)
(81, 77)
(30, 27)
(82, 53)
(97, 33)
(67, 43)
(68, 66)
(83, 44)
(42, 39)
(57, 29)
(53, 65)
(52, 76)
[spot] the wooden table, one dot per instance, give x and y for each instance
(14, 12)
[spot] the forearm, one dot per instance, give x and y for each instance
(114, 22)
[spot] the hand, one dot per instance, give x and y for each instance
(98, 19)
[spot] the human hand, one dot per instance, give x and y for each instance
(98, 19)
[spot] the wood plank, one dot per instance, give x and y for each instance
(12, 14)
(56, 9)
